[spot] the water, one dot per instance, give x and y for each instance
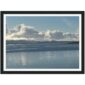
(43, 59)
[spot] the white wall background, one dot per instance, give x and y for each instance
(40, 79)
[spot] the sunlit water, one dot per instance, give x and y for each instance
(43, 59)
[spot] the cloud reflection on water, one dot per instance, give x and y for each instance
(47, 59)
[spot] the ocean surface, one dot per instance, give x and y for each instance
(45, 55)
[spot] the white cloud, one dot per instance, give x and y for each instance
(70, 36)
(23, 32)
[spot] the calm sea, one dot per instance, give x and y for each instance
(43, 59)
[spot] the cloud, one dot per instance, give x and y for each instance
(71, 36)
(23, 32)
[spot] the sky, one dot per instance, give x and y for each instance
(43, 23)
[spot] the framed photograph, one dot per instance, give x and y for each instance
(42, 42)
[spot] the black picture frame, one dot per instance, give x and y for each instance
(42, 12)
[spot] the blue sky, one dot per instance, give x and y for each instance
(44, 23)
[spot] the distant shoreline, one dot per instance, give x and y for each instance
(27, 46)
(26, 42)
